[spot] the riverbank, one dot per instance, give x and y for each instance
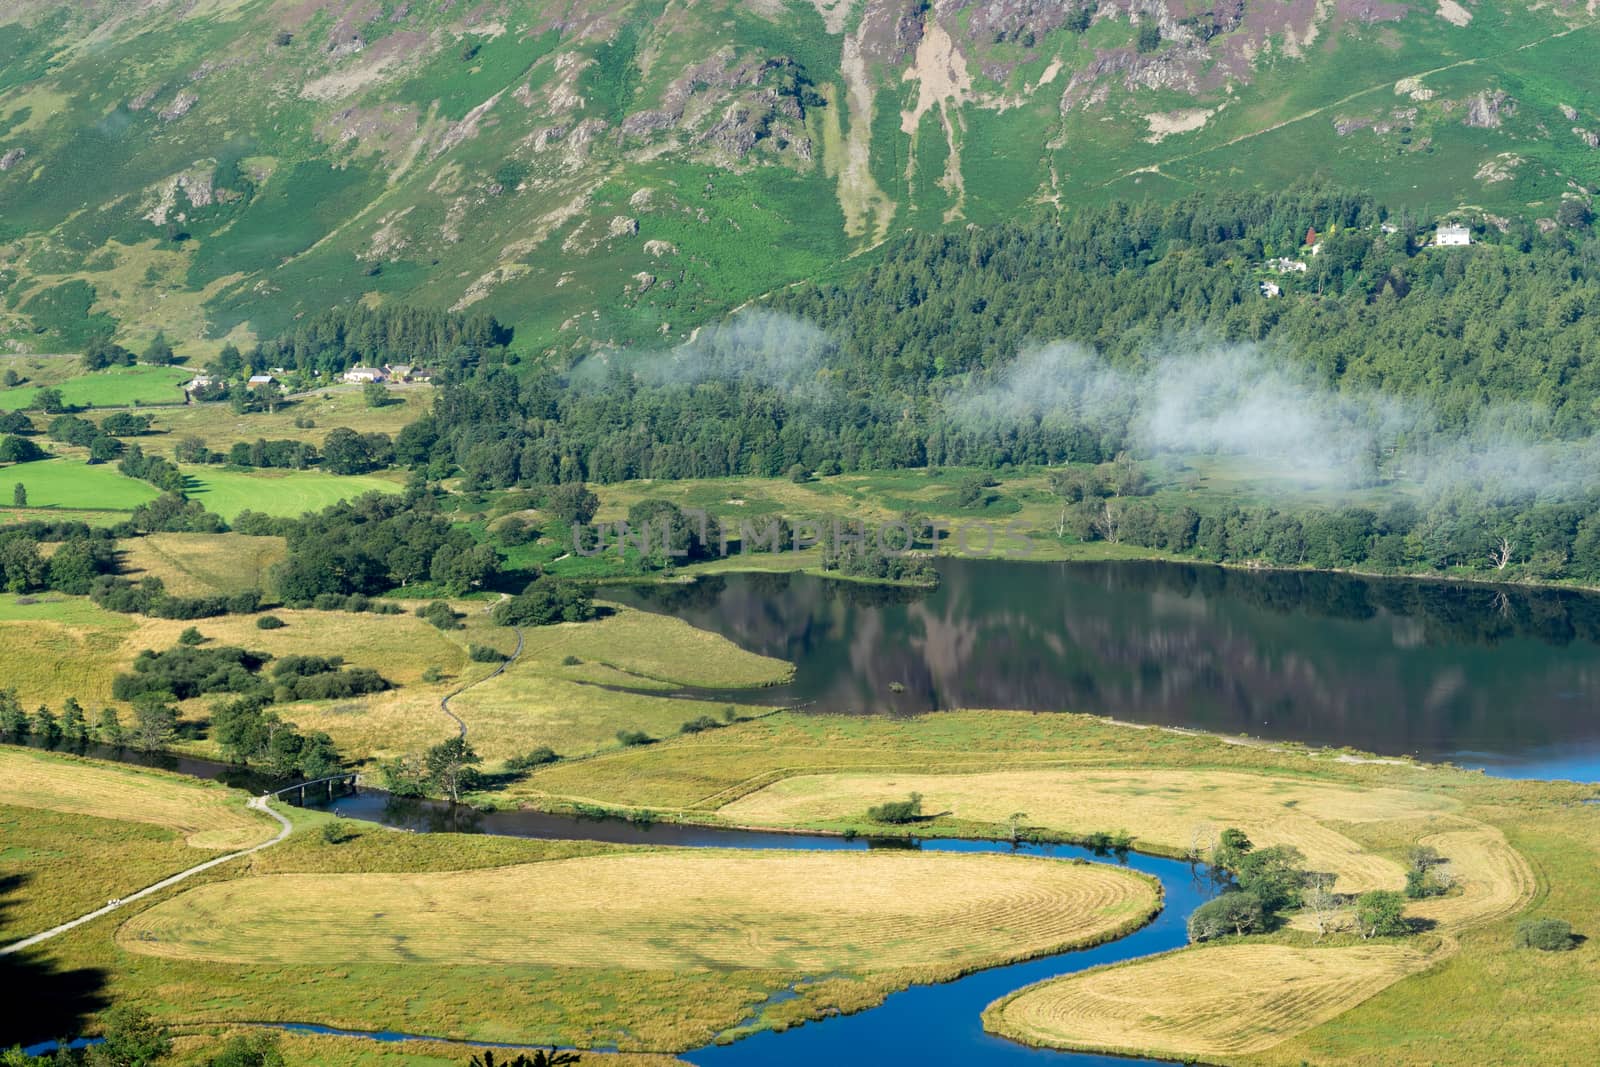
(1079, 776)
(1019, 504)
(981, 775)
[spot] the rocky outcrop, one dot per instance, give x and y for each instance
(12, 158)
(181, 105)
(1485, 110)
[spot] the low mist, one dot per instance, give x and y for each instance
(1237, 400)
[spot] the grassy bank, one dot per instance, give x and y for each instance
(1516, 848)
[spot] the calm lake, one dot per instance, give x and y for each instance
(1502, 678)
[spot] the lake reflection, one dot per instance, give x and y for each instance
(1504, 678)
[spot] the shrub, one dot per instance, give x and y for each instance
(1546, 935)
(336, 832)
(433, 674)
(570, 660)
(485, 654)
(1231, 913)
(439, 614)
(191, 636)
(537, 758)
(1101, 842)
(270, 622)
(633, 738)
(898, 811)
(700, 725)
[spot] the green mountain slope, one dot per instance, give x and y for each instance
(619, 171)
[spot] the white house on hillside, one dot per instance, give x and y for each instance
(363, 374)
(1453, 235)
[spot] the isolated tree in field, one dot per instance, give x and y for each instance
(450, 767)
(49, 401)
(1232, 913)
(159, 352)
(1381, 913)
(19, 496)
(1546, 935)
(374, 394)
(897, 811)
(15, 422)
(11, 378)
(191, 449)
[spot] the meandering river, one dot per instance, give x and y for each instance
(1507, 679)
(923, 1024)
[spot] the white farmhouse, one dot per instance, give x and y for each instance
(1453, 236)
(1270, 289)
(363, 374)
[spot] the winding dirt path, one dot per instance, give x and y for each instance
(444, 702)
(258, 803)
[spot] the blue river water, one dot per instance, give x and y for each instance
(930, 1024)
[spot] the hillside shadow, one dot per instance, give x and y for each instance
(43, 1000)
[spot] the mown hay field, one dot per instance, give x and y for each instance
(1199, 1003)
(817, 912)
(67, 864)
(56, 647)
(192, 564)
(1173, 810)
(207, 816)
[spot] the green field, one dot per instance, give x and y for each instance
(285, 493)
(113, 387)
(71, 483)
